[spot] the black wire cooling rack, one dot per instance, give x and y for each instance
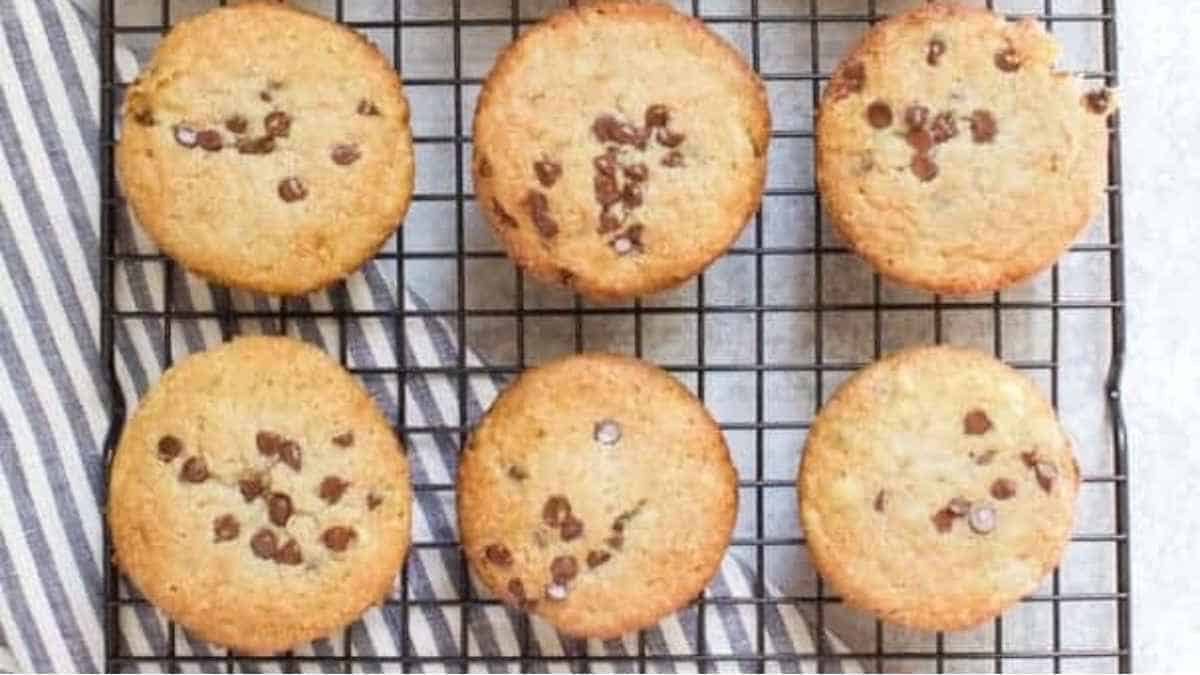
(804, 30)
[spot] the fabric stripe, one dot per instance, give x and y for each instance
(16, 606)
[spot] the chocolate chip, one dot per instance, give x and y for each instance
(668, 138)
(916, 116)
(516, 589)
(185, 136)
(1008, 60)
(983, 126)
(483, 166)
(959, 506)
(1030, 457)
(1098, 101)
(556, 508)
(169, 448)
(279, 508)
(606, 164)
(933, 53)
(344, 439)
(332, 488)
(366, 107)
(563, 569)
(631, 195)
(976, 423)
(144, 117)
(605, 187)
(879, 115)
(1046, 474)
(982, 518)
(517, 473)
(615, 542)
(268, 443)
(265, 96)
(629, 241)
(338, 537)
(624, 517)
(262, 145)
(637, 172)
(987, 457)
(502, 214)
(236, 123)
(195, 470)
(225, 528)
(607, 431)
(944, 127)
(289, 553)
(920, 139)
(292, 190)
(210, 140)
(943, 520)
(672, 159)
(548, 172)
(263, 544)
(849, 81)
(373, 501)
(539, 210)
(608, 222)
(657, 115)
(597, 558)
(1004, 488)
(880, 501)
(277, 124)
(924, 168)
(609, 129)
(571, 529)
(498, 554)
(344, 154)
(251, 488)
(556, 591)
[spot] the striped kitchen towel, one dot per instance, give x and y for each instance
(55, 405)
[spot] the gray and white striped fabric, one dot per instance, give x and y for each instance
(55, 402)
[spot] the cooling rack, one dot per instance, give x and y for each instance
(731, 335)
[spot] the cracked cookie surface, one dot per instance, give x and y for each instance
(619, 148)
(267, 148)
(259, 497)
(597, 493)
(937, 488)
(953, 157)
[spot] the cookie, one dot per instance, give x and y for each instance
(259, 497)
(619, 148)
(267, 148)
(953, 157)
(936, 488)
(598, 493)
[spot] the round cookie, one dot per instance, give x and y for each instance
(259, 497)
(598, 493)
(936, 488)
(619, 148)
(267, 148)
(952, 156)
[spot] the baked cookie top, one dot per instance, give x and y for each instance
(936, 488)
(953, 156)
(259, 497)
(598, 493)
(267, 148)
(619, 148)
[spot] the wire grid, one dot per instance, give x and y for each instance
(763, 19)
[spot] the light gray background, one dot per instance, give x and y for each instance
(1159, 121)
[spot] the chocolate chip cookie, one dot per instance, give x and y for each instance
(952, 156)
(267, 148)
(937, 488)
(259, 497)
(598, 493)
(619, 148)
